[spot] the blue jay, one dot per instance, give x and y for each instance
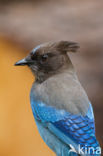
(61, 108)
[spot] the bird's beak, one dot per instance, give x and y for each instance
(22, 62)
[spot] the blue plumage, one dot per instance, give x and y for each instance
(77, 129)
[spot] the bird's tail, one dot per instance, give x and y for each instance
(70, 151)
(67, 151)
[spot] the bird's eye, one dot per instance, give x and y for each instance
(44, 57)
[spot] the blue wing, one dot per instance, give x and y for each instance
(72, 129)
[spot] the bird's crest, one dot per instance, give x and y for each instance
(67, 46)
(63, 46)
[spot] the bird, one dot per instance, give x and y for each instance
(61, 108)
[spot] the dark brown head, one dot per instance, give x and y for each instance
(49, 58)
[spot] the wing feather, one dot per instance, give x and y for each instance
(71, 128)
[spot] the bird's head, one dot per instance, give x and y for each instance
(49, 58)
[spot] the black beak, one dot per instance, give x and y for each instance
(22, 62)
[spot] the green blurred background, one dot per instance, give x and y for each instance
(25, 24)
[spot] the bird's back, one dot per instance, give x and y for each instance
(62, 102)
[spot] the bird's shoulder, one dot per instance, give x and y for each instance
(62, 91)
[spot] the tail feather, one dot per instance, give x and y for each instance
(66, 151)
(59, 147)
